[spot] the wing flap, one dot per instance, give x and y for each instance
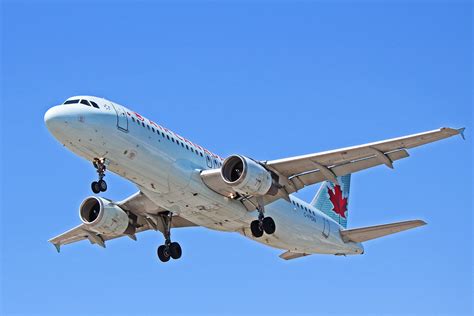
(81, 232)
(296, 165)
(316, 176)
(73, 235)
(373, 232)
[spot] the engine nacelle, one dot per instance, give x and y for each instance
(247, 176)
(104, 217)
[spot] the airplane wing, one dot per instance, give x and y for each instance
(295, 173)
(147, 218)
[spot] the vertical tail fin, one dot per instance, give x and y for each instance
(333, 199)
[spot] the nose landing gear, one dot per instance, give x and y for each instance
(101, 185)
(169, 249)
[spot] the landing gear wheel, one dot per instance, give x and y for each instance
(268, 225)
(102, 185)
(169, 249)
(163, 253)
(175, 250)
(256, 229)
(95, 187)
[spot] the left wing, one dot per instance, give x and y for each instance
(309, 169)
(147, 217)
(294, 173)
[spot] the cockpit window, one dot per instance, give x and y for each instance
(71, 101)
(83, 101)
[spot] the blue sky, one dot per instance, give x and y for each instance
(270, 79)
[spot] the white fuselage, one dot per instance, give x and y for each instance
(166, 167)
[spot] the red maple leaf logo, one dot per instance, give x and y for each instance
(339, 203)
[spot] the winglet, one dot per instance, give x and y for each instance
(58, 247)
(461, 131)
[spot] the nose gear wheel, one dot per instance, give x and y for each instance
(100, 185)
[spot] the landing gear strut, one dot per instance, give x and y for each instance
(101, 185)
(262, 224)
(169, 249)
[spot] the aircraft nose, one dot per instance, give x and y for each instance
(55, 117)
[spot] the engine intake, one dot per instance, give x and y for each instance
(247, 176)
(104, 217)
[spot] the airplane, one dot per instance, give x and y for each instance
(182, 184)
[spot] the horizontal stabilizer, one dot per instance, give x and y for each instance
(372, 232)
(293, 255)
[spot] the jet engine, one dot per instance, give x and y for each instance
(104, 217)
(247, 176)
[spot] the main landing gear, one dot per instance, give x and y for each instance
(262, 224)
(101, 185)
(169, 249)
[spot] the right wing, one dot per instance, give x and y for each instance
(147, 217)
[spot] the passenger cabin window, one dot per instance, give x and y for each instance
(71, 101)
(85, 102)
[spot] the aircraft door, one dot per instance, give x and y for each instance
(327, 228)
(122, 120)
